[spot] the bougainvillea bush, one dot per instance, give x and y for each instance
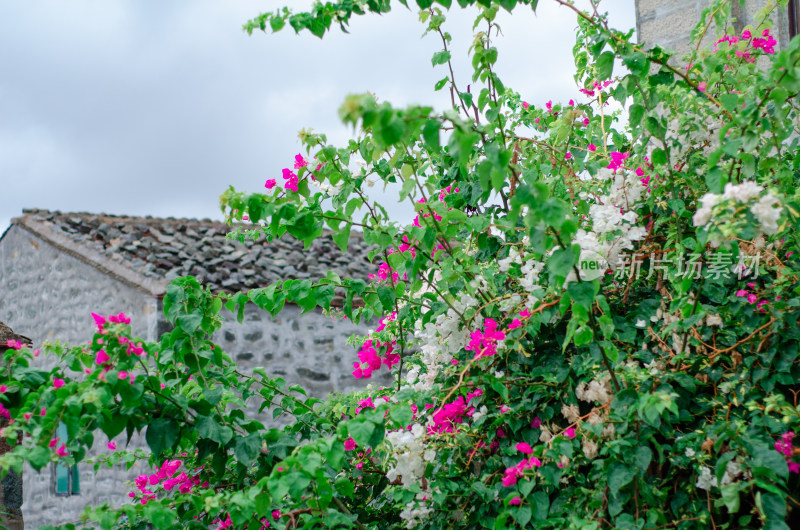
(592, 319)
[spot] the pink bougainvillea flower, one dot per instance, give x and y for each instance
(299, 161)
(570, 433)
(515, 324)
(99, 320)
(549, 106)
(450, 414)
(53, 442)
(701, 86)
(504, 409)
(58, 383)
(484, 343)
(364, 404)
(752, 298)
(516, 501)
(43, 412)
(3, 389)
(112, 446)
(568, 156)
(349, 444)
(270, 183)
(523, 447)
(291, 180)
(27, 415)
(617, 159)
(122, 374)
(536, 422)
(525, 104)
(62, 451)
(477, 393)
(102, 357)
(276, 514)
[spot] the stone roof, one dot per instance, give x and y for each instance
(148, 252)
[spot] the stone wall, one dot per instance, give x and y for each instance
(669, 23)
(49, 294)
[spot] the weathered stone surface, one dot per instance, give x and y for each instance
(668, 23)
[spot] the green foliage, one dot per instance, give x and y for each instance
(541, 382)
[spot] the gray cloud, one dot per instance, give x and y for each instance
(154, 108)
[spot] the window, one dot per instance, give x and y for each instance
(794, 18)
(65, 479)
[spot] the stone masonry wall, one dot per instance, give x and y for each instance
(669, 23)
(308, 349)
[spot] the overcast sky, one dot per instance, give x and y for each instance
(154, 108)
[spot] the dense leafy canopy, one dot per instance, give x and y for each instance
(592, 320)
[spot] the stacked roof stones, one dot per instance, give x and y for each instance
(167, 248)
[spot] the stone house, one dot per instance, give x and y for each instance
(56, 268)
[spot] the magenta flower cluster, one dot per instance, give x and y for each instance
(484, 343)
(291, 178)
(373, 352)
(765, 43)
(784, 447)
(166, 477)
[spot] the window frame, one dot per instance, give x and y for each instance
(72, 473)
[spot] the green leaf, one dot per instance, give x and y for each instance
(540, 503)
(401, 414)
(324, 295)
(189, 323)
(208, 427)
(440, 57)
(247, 448)
(38, 457)
(430, 133)
(619, 475)
(276, 23)
(582, 293)
(159, 515)
(361, 431)
(637, 63)
(342, 237)
(730, 496)
(387, 297)
(440, 83)
(604, 65)
(643, 457)
(345, 487)
(636, 113)
(522, 515)
(561, 261)
(773, 508)
(730, 102)
(162, 433)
